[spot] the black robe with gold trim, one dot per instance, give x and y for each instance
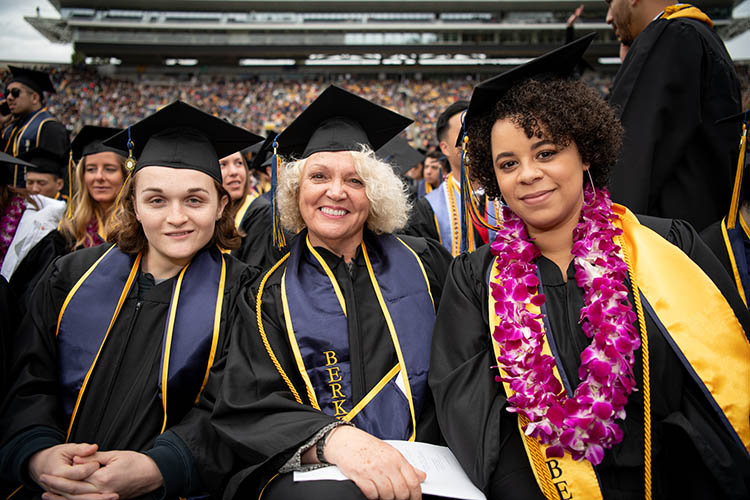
(121, 408)
(256, 415)
(693, 455)
(257, 247)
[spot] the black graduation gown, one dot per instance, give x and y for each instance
(257, 247)
(422, 221)
(32, 266)
(9, 315)
(121, 408)
(715, 241)
(675, 83)
(484, 436)
(256, 414)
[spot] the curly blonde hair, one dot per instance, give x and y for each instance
(389, 204)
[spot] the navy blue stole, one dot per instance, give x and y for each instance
(315, 316)
(737, 242)
(190, 333)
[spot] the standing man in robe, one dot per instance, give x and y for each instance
(676, 81)
(29, 124)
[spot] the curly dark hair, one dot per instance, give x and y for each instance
(125, 230)
(557, 109)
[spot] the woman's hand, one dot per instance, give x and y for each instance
(58, 461)
(121, 475)
(376, 467)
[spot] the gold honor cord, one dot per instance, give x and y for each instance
(311, 396)
(556, 476)
(120, 302)
(262, 332)
(732, 261)
(734, 207)
(683, 286)
(454, 215)
(645, 360)
(401, 366)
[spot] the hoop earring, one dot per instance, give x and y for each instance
(588, 171)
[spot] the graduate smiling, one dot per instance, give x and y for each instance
(119, 340)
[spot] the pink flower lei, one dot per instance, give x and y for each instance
(583, 425)
(9, 221)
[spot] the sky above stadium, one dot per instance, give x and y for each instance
(20, 42)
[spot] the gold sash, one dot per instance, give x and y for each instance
(674, 286)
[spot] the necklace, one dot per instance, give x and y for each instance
(584, 424)
(9, 223)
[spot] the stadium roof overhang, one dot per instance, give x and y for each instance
(347, 5)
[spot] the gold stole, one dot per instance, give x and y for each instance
(558, 478)
(249, 198)
(674, 286)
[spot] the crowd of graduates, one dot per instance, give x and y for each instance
(191, 309)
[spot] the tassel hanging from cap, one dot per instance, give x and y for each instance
(734, 206)
(279, 240)
(130, 162)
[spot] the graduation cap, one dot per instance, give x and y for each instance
(181, 136)
(559, 62)
(263, 153)
(44, 161)
(338, 120)
(7, 164)
(400, 155)
(734, 206)
(90, 141)
(38, 81)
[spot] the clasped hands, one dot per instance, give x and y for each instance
(79, 471)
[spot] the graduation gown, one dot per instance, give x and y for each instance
(34, 264)
(693, 455)
(121, 408)
(257, 247)
(36, 130)
(675, 83)
(255, 412)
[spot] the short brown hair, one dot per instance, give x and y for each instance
(558, 109)
(127, 233)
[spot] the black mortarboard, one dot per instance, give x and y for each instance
(44, 161)
(339, 121)
(90, 140)
(399, 154)
(182, 136)
(6, 163)
(38, 81)
(561, 62)
(263, 154)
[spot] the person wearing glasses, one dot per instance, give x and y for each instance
(26, 122)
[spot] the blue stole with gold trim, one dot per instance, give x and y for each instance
(438, 200)
(738, 248)
(190, 333)
(316, 312)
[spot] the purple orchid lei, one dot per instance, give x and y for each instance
(9, 223)
(583, 425)
(93, 231)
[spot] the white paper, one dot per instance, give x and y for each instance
(445, 477)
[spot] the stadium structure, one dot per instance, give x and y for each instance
(294, 36)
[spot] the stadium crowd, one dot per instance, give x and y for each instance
(86, 97)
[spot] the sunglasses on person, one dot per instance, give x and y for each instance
(15, 92)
